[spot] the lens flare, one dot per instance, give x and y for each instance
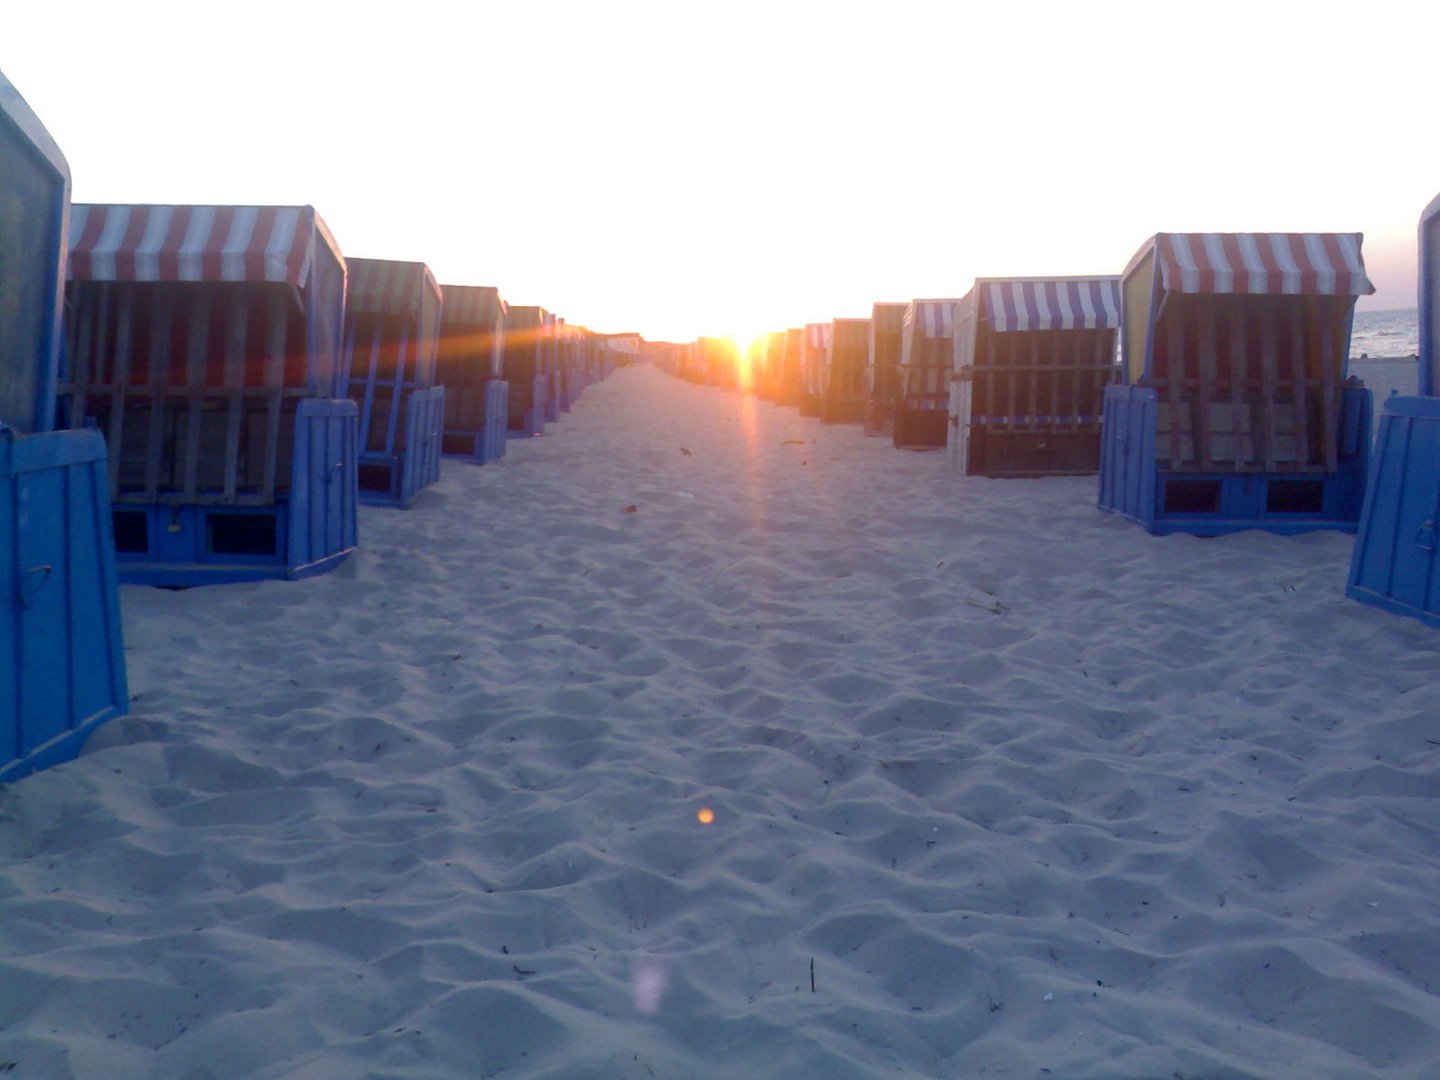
(706, 815)
(650, 982)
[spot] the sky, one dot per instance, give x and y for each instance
(728, 168)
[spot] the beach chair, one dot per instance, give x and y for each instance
(1394, 564)
(887, 329)
(527, 348)
(814, 350)
(718, 361)
(583, 346)
(62, 662)
(204, 341)
(791, 381)
(922, 405)
(844, 398)
(1233, 410)
(392, 337)
(626, 348)
(1032, 359)
(471, 367)
(550, 364)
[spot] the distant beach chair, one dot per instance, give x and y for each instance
(769, 365)
(717, 361)
(62, 662)
(527, 363)
(1394, 565)
(471, 367)
(922, 406)
(205, 342)
(792, 372)
(814, 348)
(1234, 411)
(882, 380)
(616, 350)
(392, 339)
(844, 398)
(553, 367)
(1032, 359)
(577, 346)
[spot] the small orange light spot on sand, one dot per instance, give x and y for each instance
(706, 815)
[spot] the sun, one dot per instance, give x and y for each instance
(745, 344)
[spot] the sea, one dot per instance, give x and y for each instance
(1383, 348)
(1385, 334)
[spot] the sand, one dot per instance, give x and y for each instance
(1002, 786)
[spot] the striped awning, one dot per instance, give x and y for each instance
(1052, 304)
(192, 243)
(387, 286)
(818, 335)
(471, 305)
(936, 318)
(1296, 264)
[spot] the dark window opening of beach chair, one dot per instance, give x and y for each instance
(471, 354)
(194, 385)
(1249, 383)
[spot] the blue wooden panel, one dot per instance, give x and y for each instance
(553, 393)
(62, 668)
(305, 532)
(34, 212)
(395, 479)
(497, 412)
(1215, 503)
(532, 422)
(425, 425)
(1394, 564)
(324, 485)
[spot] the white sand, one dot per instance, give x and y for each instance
(1038, 793)
(1386, 376)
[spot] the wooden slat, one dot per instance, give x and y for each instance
(196, 358)
(274, 378)
(1269, 390)
(1207, 345)
(162, 336)
(395, 433)
(121, 376)
(1175, 374)
(1240, 382)
(1301, 365)
(234, 382)
(1329, 373)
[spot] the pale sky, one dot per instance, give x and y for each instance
(731, 167)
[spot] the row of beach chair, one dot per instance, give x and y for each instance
(196, 395)
(1206, 386)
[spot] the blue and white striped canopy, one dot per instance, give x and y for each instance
(1052, 303)
(935, 318)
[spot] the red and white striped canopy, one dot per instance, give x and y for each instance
(1052, 303)
(192, 243)
(1296, 264)
(471, 305)
(387, 286)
